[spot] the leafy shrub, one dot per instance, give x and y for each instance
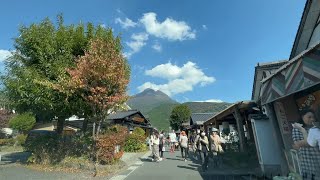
(4, 142)
(79, 146)
(45, 149)
(134, 143)
(81, 162)
(22, 122)
(139, 131)
(21, 139)
(109, 145)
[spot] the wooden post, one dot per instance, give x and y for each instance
(209, 137)
(239, 121)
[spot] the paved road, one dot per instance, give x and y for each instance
(173, 167)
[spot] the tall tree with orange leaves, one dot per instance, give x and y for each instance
(101, 77)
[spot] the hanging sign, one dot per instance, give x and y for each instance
(282, 118)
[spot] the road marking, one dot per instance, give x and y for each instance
(132, 168)
(119, 177)
(139, 163)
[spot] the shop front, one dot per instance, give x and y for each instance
(291, 90)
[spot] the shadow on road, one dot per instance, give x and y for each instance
(176, 159)
(190, 168)
(15, 157)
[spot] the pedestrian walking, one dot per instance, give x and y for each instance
(162, 141)
(172, 137)
(216, 146)
(204, 149)
(155, 146)
(196, 146)
(183, 145)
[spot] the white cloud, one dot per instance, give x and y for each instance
(4, 54)
(204, 27)
(180, 79)
(157, 47)
(103, 25)
(126, 23)
(168, 29)
(138, 41)
(212, 100)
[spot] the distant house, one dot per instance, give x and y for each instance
(130, 119)
(197, 119)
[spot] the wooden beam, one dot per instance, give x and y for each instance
(239, 120)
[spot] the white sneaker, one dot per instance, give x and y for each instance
(152, 160)
(160, 159)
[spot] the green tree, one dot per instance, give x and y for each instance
(22, 122)
(43, 53)
(179, 115)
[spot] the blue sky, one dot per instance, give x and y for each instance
(192, 51)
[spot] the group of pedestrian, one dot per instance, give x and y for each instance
(201, 146)
(199, 143)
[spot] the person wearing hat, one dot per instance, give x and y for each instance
(216, 147)
(216, 141)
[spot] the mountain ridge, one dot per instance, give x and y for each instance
(158, 106)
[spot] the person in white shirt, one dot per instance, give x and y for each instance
(173, 140)
(184, 145)
(314, 137)
(155, 146)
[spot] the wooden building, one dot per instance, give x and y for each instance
(197, 120)
(131, 119)
(293, 86)
(237, 115)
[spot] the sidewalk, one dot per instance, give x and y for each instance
(131, 158)
(132, 161)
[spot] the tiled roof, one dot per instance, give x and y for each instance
(200, 118)
(122, 114)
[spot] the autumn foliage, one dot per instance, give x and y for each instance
(101, 75)
(109, 146)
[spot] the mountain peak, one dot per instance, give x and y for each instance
(149, 99)
(152, 92)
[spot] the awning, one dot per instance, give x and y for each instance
(242, 105)
(299, 73)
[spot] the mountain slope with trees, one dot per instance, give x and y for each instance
(158, 106)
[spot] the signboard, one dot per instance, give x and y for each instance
(311, 101)
(282, 118)
(138, 119)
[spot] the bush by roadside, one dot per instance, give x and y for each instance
(18, 140)
(22, 122)
(109, 146)
(135, 143)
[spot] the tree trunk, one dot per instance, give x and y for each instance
(85, 125)
(94, 130)
(60, 125)
(99, 127)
